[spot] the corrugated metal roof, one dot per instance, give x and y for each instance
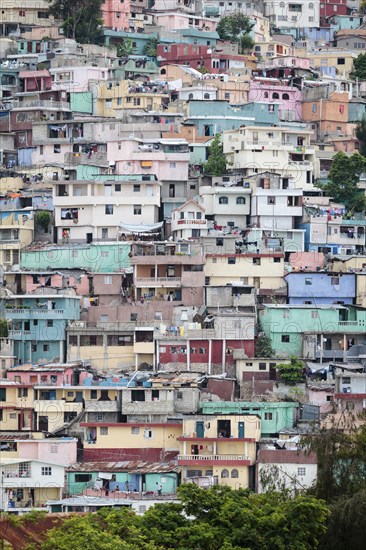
(134, 466)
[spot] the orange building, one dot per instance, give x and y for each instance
(330, 114)
(116, 14)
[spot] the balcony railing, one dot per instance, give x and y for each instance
(213, 458)
(148, 281)
(191, 222)
(348, 323)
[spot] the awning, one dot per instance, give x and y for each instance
(140, 228)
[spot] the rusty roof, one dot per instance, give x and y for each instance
(14, 436)
(134, 466)
(175, 378)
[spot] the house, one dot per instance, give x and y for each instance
(115, 16)
(28, 484)
(226, 205)
(274, 416)
(38, 325)
(219, 450)
(92, 478)
(321, 288)
(16, 405)
(285, 469)
(152, 442)
(189, 221)
(269, 90)
(350, 389)
(321, 395)
(16, 232)
(292, 15)
(329, 114)
(313, 332)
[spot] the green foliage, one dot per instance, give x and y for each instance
(216, 163)
(82, 19)
(151, 47)
(263, 346)
(4, 332)
(343, 178)
(236, 28)
(291, 372)
(43, 218)
(361, 135)
(359, 67)
(125, 48)
(215, 519)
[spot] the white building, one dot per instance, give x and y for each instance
(291, 14)
(28, 483)
(93, 210)
(188, 221)
(285, 469)
(227, 206)
(283, 150)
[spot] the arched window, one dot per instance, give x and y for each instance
(223, 200)
(235, 473)
(163, 71)
(224, 473)
(190, 96)
(285, 96)
(282, 4)
(275, 95)
(240, 200)
(266, 95)
(206, 96)
(311, 6)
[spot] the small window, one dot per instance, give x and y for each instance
(147, 434)
(231, 261)
(335, 281)
(262, 366)
(301, 471)
(285, 338)
(179, 395)
(224, 473)
(109, 209)
(137, 210)
(271, 200)
(314, 315)
(117, 187)
(268, 416)
(308, 281)
(136, 188)
(223, 200)
(256, 261)
(135, 430)
(104, 430)
(46, 470)
(234, 473)
(50, 323)
(240, 200)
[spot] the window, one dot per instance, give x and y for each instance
(22, 392)
(341, 61)
(21, 13)
(50, 323)
(335, 281)
(46, 471)
(54, 448)
(314, 314)
(285, 338)
(82, 478)
(285, 97)
(104, 430)
(147, 433)
(224, 473)
(271, 200)
(46, 347)
(231, 261)
(136, 188)
(179, 395)
(107, 279)
(268, 416)
(57, 148)
(137, 209)
(301, 471)
(117, 187)
(223, 200)
(240, 200)
(308, 281)
(93, 394)
(172, 164)
(135, 430)
(256, 261)
(275, 95)
(235, 473)
(109, 209)
(219, 242)
(100, 417)
(43, 15)
(262, 366)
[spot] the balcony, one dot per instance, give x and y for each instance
(42, 104)
(27, 314)
(158, 282)
(22, 335)
(56, 407)
(169, 259)
(75, 159)
(191, 459)
(101, 406)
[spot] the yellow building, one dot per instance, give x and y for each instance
(29, 13)
(353, 264)
(153, 442)
(263, 271)
(219, 450)
(16, 406)
(55, 407)
(16, 232)
(113, 97)
(342, 60)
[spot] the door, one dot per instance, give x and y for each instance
(43, 423)
(241, 430)
(89, 238)
(200, 429)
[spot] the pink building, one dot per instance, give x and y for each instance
(167, 159)
(116, 14)
(55, 375)
(272, 90)
(57, 451)
(79, 283)
(322, 396)
(306, 261)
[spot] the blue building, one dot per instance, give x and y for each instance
(38, 325)
(321, 288)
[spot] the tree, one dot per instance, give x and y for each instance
(359, 67)
(4, 332)
(151, 47)
(82, 19)
(43, 218)
(343, 179)
(361, 135)
(263, 346)
(216, 163)
(125, 48)
(236, 28)
(291, 372)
